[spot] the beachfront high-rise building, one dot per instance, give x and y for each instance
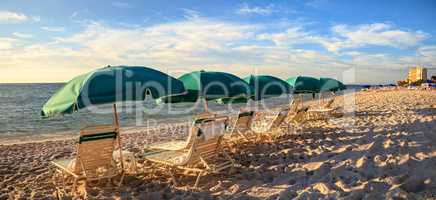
(417, 74)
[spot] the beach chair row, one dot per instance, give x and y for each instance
(199, 155)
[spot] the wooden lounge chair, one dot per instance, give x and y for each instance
(94, 158)
(329, 103)
(202, 156)
(273, 129)
(323, 112)
(241, 129)
(183, 144)
(297, 119)
(294, 105)
(324, 105)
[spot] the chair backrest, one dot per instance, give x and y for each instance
(195, 128)
(329, 103)
(208, 139)
(278, 120)
(244, 120)
(300, 115)
(293, 107)
(205, 115)
(95, 148)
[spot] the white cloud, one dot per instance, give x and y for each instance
(425, 56)
(346, 37)
(292, 35)
(199, 43)
(53, 28)
(8, 17)
(427, 51)
(7, 43)
(21, 35)
(378, 34)
(36, 18)
(245, 9)
(78, 17)
(317, 3)
(179, 45)
(190, 14)
(119, 4)
(375, 60)
(72, 16)
(173, 43)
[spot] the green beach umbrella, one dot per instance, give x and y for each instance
(110, 85)
(232, 100)
(304, 84)
(266, 86)
(330, 84)
(209, 85)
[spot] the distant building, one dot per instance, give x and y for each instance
(417, 74)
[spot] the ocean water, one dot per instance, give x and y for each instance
(20, 120)
(20, 106)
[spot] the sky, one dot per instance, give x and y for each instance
(368, 41)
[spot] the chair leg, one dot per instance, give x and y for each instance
(73, 189)
(258, 138)
(173, 177)
(85, 185)
(232, 167)
(135, 166)
(58, 196)
(63, 180)
(56, 179)
(121, 179)
(197, 181)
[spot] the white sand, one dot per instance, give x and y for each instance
(385, 149)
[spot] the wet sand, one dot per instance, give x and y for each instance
(384, 148)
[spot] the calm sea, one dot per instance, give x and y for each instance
(20, 120)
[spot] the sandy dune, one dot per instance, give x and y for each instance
(384, 149)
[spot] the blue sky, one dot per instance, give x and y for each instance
(358, 41)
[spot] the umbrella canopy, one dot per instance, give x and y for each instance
(267, 86)
(110, 85)
(329, 84)
(304, 84)
(210, 86)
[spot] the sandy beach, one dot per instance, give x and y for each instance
(384, 149)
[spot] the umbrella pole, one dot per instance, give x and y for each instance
(206, 108)
(117, 126)
(301, 97)
(320, 99)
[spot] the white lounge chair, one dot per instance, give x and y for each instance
(202, 155)
(241, 129)
(183, 144)
(94, 158)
